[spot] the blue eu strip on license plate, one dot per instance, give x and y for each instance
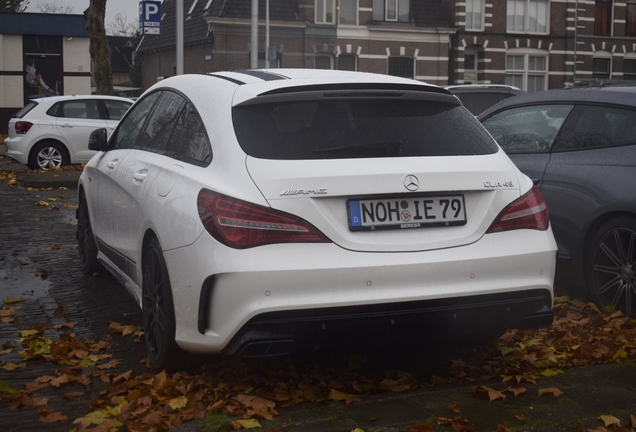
(406, 213)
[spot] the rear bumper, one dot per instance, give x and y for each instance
(222, 295)
(17, 149)
(277, 333)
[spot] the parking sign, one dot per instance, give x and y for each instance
(150, 18)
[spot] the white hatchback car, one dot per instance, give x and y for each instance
(253, 213)
(54, 131)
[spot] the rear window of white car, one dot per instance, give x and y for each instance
(359, 128)
(28, 107)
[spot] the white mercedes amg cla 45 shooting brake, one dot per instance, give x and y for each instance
(256, 212)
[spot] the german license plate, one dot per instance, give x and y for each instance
(406, 213)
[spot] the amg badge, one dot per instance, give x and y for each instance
(303, 192)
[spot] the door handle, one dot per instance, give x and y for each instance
(67, 125)
(138, 177)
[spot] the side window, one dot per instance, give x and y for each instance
(80, 109)
(115, 110)
(529, 129)
(597, 126)
(159, 126)
(189, 141)
(128, 130)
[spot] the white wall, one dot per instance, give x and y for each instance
(11, 52)
(11, 60)
(77, 85)
(77, 58)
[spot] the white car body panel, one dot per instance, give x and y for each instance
(356, 268)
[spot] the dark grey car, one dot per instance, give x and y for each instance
(579, 147)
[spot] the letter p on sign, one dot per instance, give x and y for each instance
(151, 10)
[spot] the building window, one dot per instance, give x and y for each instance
(323, 62)
(629, 69)
(391, 10)
(347, 62)
(630, 21)
(601, 68)
(527, 16)
(348, 12)
(325, 11)
(402, 66)
(474, 15)
(528, 72)
(603, 17)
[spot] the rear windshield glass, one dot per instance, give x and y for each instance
(359, 128)
(28, 107)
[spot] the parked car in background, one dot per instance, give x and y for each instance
(53, 131)
(260, 212)
(479, 97)
(579, 147)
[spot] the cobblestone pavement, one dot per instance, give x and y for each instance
(36, 239)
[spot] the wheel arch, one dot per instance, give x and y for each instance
(53, 140)
(597, 224)
(66, 154)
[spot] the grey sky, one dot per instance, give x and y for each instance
(113, 7)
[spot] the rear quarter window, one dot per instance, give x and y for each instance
(359, 128)
(28, 107)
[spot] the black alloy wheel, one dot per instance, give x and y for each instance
(612, 265)
(158, 313)
(87, 246)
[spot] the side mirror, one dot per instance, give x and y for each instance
(98, 140)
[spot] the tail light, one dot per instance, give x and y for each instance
(528, 212)
(241, 225)
(22, 127)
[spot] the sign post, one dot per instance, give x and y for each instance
(150, 18)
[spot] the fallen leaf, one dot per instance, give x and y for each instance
(492, 393)
(516, 390)
(340, 396)
(246, 424)
(53, 417)
(178, 402)
(7, 365)
(454, 407)
(13, 301)
(551, 390)
(55, 247)
(609, 420)
(522, 417)
(503, 427)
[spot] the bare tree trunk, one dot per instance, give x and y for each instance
(99, 49)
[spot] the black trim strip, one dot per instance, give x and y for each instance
(11, 73)
(122, 262)
(77, 74)
(235, 81)
(357, 86)
(265, 76)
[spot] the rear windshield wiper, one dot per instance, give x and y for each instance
(389, 148)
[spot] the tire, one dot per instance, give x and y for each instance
(86, 242)
(158, 314)
(48, 154)
(611, 265)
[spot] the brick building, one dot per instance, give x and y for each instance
(527, 43)
(532, 44)
(397, 37)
